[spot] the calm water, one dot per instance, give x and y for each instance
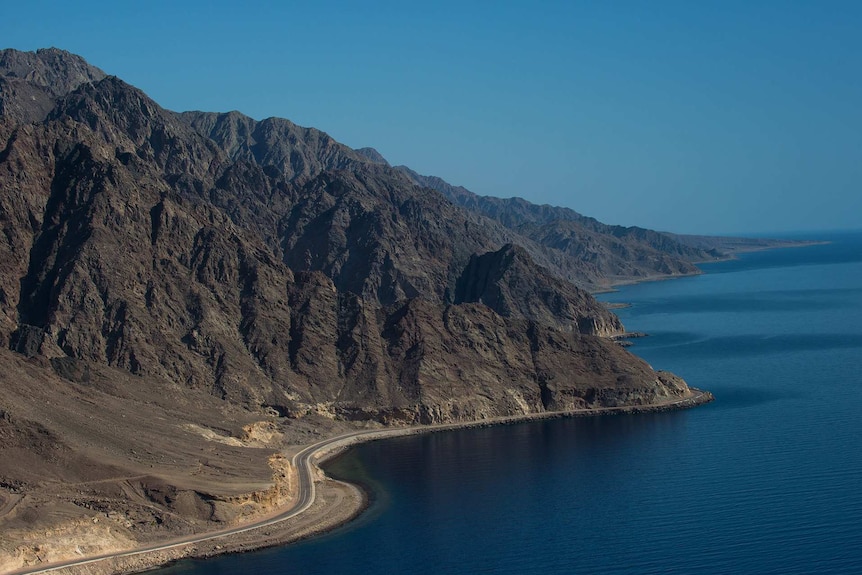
(768, 479)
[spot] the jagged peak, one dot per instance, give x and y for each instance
(109, 91)
(53, 69)
(113, 101)
(372, 155)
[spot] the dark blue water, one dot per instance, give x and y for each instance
(768, 479)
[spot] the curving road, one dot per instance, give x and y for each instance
(303, 462)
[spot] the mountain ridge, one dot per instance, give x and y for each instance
(231, 210)
(235, 288)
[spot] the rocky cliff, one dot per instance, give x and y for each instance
(507, 282)
(186, 297)
(269, 265)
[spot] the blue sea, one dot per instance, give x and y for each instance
(767, 479)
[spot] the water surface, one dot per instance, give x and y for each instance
(764, 480)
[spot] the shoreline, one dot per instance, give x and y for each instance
(730, 256)
(325, 505)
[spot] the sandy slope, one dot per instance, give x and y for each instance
(297, 502)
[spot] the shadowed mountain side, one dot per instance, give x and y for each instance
(313, 162)
(376, 234)
(325, 285)
(606, 254)
(507, 282)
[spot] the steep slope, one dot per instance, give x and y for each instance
(506, 281)
(377, 235)
(296, 152)
(601, 254)
(616, 253)
(170, 246)
(30, 82)
(573, 247)
(341, 191)
(185, 297)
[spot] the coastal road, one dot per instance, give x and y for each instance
(302, 462)
(304, 465)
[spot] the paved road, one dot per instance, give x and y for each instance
(303, 463)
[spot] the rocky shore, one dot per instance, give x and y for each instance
(335, 504)
(187, 299)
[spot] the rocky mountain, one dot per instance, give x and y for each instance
(594, 255)
(272, 266)
(373, 156)
(186, 296)
(506, 281)
(573, 247)
(31, 81)
(296, 152)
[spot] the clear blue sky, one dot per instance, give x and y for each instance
(689, 116)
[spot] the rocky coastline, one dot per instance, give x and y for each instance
(188, 298)
(337, 504)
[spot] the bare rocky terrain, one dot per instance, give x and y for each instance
(95, 459)
(187, 297)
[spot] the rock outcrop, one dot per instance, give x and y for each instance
(509, 283)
